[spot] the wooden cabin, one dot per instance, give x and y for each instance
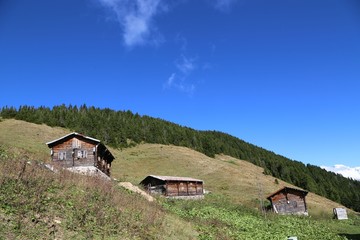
(289, 201)
(77, 150)
(174, 187)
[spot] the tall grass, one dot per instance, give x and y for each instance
(35, 203)
(218, 218)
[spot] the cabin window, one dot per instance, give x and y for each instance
(62, 155)
(76, 143)
(81, 154)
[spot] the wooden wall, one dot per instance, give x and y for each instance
(289, 203)
(179, 188)
(174, 188)
(64, 154)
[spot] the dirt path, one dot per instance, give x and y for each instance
(135, 189)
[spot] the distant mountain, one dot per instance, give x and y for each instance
(349, 172)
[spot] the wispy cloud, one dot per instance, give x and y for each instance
(223, 5)
(179, 82)
(349, 172)
(187, 68)
(136, 19)
(185, 65)
(180, 79)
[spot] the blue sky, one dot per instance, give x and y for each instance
(281, 74)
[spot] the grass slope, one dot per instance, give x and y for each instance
(236, 188)
(37, 204)
(27, 140)
(241, 181)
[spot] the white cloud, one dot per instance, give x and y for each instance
(180, 79)
(185, 65)
(349, 172)
(223, 5)
(179, 82)
(187, 68)
(170, 80)
(136, 19)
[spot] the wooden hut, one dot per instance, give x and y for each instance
(77, 150)
(174, 187)
(289, 201)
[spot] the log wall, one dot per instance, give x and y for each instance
(289, 203)
(178, 188)
(74, 152)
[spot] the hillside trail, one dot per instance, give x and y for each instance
(129, 186)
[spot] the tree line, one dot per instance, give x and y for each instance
(121, 129)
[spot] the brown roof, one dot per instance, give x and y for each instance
(172, 178)
(51, 143)
(285, 189)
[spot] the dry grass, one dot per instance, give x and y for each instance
(38, 204)
(35, 203)
(27, 140)
(240, 181)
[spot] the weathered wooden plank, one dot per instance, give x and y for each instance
(340, 213)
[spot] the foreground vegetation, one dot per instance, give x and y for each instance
(38, 204)
(35, 203)
(217, 218)
(121, 129)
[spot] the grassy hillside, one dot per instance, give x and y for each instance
(122, 129)
(38, 204)
(225, 175)
(26, 140)
(240, 181)
(227, 213)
